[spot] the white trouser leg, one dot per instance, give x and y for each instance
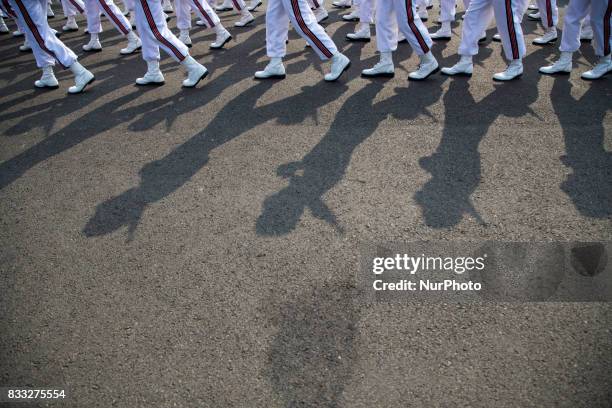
(549, 12)
(305, 23)
(182, 8)
(47, 48)
(601, 12)
(73, 7)
(239, 5)
(386, 26)
(277, 27)
(206, 13)
(476, 20)
(365, 11)
(115, 16)
(411, 26)
(154, 32)
(447, 10)
(575, 12)
(92, 12)
(508, 15)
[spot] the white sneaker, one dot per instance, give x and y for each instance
(586, 33)
(342, 3)
(225, 6)
(363, 34)
(50, 13)
(48, 79)
(93, 45)
(17, 33)
(3, 28)
(133, 44)
(533, 6)
(195, 72)
(184, 38)
(223, 37)
(423, 14)
(562, 66)
(496, 37)
(274, 70)
(167, 6)
(514, 70)
(534, 16)
(442, 34)
(352, 16)
(383, 68)
(246, 19)
(71, 24)
(201, 23)
(254, 4)
(25, 47)
(321, 14)
(153, 75)
(428, 66)
(464, 67)
(549, 37)
(603, 66)
(340, 63)
(82, 78)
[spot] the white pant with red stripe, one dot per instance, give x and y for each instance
(508, 15)
(201, 7)
(278, 15)
(316, 3)
(154, 32)
(393, 14)
(93, 8)
(549, 12)
(73, 7)
(47, 48)
(577, 10)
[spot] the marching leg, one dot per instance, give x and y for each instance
(447, 16)
(549, 14)
(508, 15)
(601, 21)
(386, 41)
(277, 26)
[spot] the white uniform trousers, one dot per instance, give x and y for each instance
(278, 16)
(549, 12)
(93, 8)
(508, 15)
(447, 10)
(394, 14)
(202, 9)
(365, 10)
(8, 10)
(577, 10)
(47, 48)
(73, 7)
(154, 32)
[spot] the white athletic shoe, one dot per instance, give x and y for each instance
(201, 23)
(362, 35)
(340, 63)
(496, 37)
(423, 14)
(50, 13)
(3, 28)
(195, 72)
(223, 37)
(82, 78)
(184, 38)
(167, 6)
(321, 14)
(562, 66)
(533, 6)
(225, 6)
(603, 66)
(535, 16)
(246, 19)
(133, 44)
(428, 66)
(17, 33)
(549, 37)
(254, 4)
(586, 33)
(443, 34)
(274, 70)
(352, 16)
(93, 45)
(153, 76)
(342, 3)
(71, 24)
(25, 47)
(464, 67)
(383, 68)
(48, 79)
(514, 70)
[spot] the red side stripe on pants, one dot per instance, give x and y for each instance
(414, 28)
(109, 13)
(511, 32)
(9, 10)
(35, 32)
(157, 34)
(77, 6)
(237, 5)
(206, 16)
(298, 16)
(316, 3)
(549, 14)
(607, 17)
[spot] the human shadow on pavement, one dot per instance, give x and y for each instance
(311, 356)
(589, 185)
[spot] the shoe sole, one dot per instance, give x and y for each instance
(245, 24)
(458, 74)
(363, 40)
(84, 86)
(223, 9)
(558, 73)
(340, 7)
(93, 50)
(136, 50)
(381, 75)
(150, 84)
(494, 39)
(222, 45)
(271, 77)
(47, 87)
(204, 75)
(425, 77)
(534, 18)
(594, 79)
(4, 33)
(343, 70)
(544, 43)
(26, 51)
(441, 38)
(70, 30)
(508, 80)
(322, 20)
(586, 40)
(351, 19)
